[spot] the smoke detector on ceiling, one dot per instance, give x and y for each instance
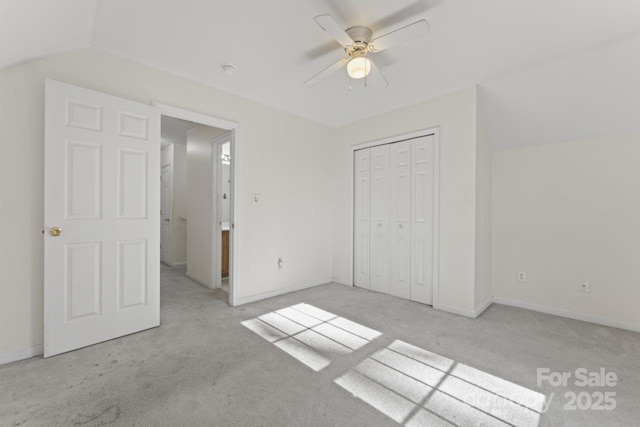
(229, 69)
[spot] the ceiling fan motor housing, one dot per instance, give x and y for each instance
(361, 37)
(360, 34)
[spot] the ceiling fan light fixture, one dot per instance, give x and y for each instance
(359, 67)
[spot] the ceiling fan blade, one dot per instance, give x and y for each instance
(418, 7)
(324, 73)
(410, 32)
(375, 77)
(330, 25)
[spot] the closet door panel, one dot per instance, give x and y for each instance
(380, 186)
(361, 214)
(400, 219)
(422, 203)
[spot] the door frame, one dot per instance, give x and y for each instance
(232, 127)
(435, 131)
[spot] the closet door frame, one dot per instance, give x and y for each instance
(435, 131)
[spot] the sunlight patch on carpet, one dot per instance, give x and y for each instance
(311, 335)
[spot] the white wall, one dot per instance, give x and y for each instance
(455, 114)
(200, 214)
(284, 157)
(166, 161)
(175, 155)
(483, 262)
(566, 213)
(179, 219)
(166, 155)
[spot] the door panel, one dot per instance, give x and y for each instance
(83, 284)
(102, 157)
(379, 280)
(132, 277)
(132, 189)
(400, 220)
(84, 180)
(362, 208)
(422, 169)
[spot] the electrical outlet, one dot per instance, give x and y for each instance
(280, 263)
(585, 286)
(522, 276)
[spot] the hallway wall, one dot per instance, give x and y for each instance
(200, 215)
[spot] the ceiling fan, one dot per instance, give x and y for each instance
(358, 42)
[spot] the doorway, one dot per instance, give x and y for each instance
(198, 199)
(223, 163)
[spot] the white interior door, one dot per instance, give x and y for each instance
(102, 196)
(379, 279)
(400, 219)
(362, 212)
(165, 214)
(422, 204)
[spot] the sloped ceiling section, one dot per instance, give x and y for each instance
(590, 95)
(32, 29)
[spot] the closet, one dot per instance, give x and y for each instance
(394, 218)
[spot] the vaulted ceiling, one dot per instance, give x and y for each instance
(276, 45)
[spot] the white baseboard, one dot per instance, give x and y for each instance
(635, 327)
(198, 280)
(16, 355)
(278, 292)
(179, 264)
(339, 281)
(456, 310)
(483, 307)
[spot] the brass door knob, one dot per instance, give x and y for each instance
(55, 231)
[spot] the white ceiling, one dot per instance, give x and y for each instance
(276, 45)
(31, 29)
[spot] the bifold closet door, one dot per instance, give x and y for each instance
(362, 212)
(400, 219)
(422, 204)
(393, 219)
(379, 272)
